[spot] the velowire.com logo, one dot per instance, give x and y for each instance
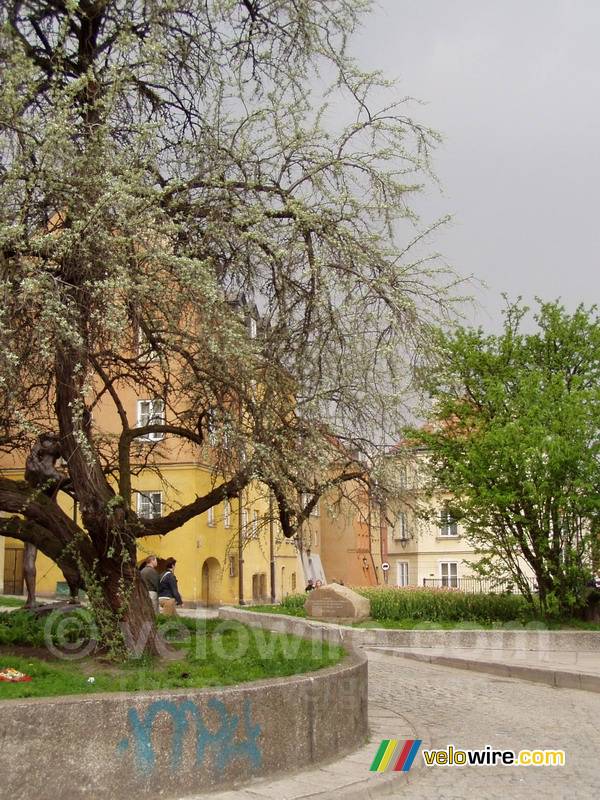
(396, 755)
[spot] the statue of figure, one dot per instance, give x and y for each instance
(40, 467)
(29, 571)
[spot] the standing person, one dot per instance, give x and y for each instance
(168, 593)
(151, 580)
(309, 586)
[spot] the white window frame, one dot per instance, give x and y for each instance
(226, 514)
(402, 476)
(255, 524)
(149, 505)
(448, 524)
(306, 497)
(400, 530)
(210, 516)
(402, 573)
(245, 523)
(151, 412)
(450, 580)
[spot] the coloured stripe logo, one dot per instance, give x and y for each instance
(393, 751)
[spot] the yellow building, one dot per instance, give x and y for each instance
(207, 548)
(232, 553)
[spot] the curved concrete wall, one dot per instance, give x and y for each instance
(171, 743)
(510, 636)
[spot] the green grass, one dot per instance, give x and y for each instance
(211, 653)
(276, 609)
(11, 602)
(292, 605)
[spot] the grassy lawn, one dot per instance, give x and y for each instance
(206, 653)
(11, 602)
(434, 609)
(288, 610)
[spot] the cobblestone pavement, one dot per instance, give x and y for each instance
(470, 711)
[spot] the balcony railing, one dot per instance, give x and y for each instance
(477, 585)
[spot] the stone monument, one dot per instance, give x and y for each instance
(335, 603)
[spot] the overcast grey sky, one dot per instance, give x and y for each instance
(514, 87)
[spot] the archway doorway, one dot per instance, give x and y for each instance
(211, 582)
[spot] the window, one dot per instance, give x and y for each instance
(449, 573)
(227, 514)
(211, 517)
(402, 573)
(259, 585)
(245, 523)
(293, 581)
(448, 524)
(402, 476)
(401, 527)
(211, 426)
(232, 566)
(151, 412)
(255, 524)
(306, 498)
(149, 505)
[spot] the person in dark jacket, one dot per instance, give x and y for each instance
(151, 580)
(168, 593)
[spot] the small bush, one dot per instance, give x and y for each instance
(21, 628)
(294, 604)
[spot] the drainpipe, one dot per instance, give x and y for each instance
(271, 548)
(240, 549)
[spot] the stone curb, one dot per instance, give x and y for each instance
(474, 638)
(564, 679)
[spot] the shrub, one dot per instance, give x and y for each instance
(21, 628)
(445, 604)
(294, 604)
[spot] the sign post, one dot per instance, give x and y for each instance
(385, 566)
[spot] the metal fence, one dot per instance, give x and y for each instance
(477, 585)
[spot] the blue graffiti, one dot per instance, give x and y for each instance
(221, 742)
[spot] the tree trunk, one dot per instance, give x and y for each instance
(124, 614)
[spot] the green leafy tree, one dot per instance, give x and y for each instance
(515, 440)
(164, 169)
